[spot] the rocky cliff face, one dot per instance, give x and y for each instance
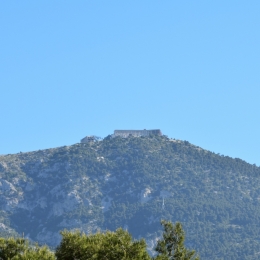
(42, 194)
(133, 183)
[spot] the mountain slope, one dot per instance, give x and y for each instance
(125, 182)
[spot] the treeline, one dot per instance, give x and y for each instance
(101, 246)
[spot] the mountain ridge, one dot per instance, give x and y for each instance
(123, 182)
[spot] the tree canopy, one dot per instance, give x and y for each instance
(21, 249)
(109, 245)
(171, 246)
(76, 245)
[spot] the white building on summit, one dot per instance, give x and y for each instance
(136, 133)
(123, 133)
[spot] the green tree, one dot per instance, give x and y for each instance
(109, 245)
(20, 249)
(171, 246)
(35, 253)
(10, 247)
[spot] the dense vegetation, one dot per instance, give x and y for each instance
(20, 249)
(101, 246)
(122, 182)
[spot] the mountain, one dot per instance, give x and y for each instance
(133, 183)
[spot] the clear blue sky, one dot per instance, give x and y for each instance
(74, 68)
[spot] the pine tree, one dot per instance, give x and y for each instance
(171, 246)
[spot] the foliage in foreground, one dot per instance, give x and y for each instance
(20, 249)
(109, 245)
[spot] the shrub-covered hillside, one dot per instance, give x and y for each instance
(134, 183)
